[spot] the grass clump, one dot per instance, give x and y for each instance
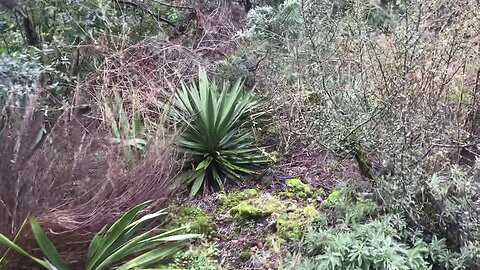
(112, 245)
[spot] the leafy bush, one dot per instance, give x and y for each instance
(18, 74)
(343, 84)
(216, 137)
(360, 240)
(374, 245)
(444, 205)
(111, 247)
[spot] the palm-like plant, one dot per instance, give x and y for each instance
(216, 136)
(110, 248)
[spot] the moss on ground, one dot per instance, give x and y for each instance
(200, 256)
(333, 198)
(245, 212)
(299, 190)
(295, 185)
(195, 219)
(245, 255)
(250, 205)
(229, 201)
(292, 226)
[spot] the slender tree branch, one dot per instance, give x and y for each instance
(146, 10)
(174, 6)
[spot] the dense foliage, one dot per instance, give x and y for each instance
(369, 110)
(363, 237)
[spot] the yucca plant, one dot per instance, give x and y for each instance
(119, 247)
(216, 137)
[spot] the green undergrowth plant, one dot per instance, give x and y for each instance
(124, 245)
(202, 256)
(216, 135)
(128, 131)
(363, 236)
(373, 245)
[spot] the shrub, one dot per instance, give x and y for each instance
(407, 121)
(112, 246)
(374, 245)
(362, 239)
(216, 137)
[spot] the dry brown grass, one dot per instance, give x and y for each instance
(77, 181)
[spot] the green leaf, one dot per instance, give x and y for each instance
(17, 235)
(152, 257)
(112, 235)
(5, 241)
(197, 184)
(47, 246)
(94, 245)
(179, 237)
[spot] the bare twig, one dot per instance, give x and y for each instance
(146, 10)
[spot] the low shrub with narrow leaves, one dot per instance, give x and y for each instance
(216, 137)
(363, 240)
(121, 246)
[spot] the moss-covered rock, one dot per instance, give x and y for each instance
(246, 212)
(234, 199)
(195, 219)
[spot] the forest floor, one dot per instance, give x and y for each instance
(251, 240)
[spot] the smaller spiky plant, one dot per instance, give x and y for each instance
(215, 135)
(117, 247)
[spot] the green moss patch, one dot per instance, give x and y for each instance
(250, 205)
(195, 219)
(333, 198)
(292, 226)
(234, 199)
(245, 255)
(245, 211)
(300, 190)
